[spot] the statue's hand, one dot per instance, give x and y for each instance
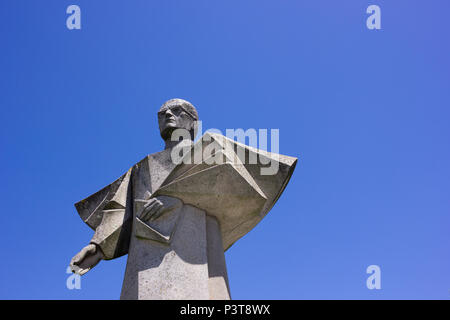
(86, 259)
(156, 207)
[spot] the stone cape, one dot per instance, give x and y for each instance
(210, 205)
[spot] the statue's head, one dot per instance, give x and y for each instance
(177, 114)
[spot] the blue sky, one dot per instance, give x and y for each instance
(365, 111)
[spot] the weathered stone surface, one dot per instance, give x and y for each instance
(175, 220)
(217, 270)
(234, 191)
(175, 271)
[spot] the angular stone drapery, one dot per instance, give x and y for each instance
(209, 205)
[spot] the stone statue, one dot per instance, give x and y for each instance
(175, 219)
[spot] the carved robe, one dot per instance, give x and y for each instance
(208, 205)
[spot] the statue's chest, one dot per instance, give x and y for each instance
(150, 173)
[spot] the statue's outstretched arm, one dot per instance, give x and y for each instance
(109, 213)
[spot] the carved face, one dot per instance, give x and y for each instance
(173, 117)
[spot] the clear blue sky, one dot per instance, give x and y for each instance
(366, 112)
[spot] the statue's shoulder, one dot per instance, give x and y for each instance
(142, 162)
(150, 172)
(160, 156)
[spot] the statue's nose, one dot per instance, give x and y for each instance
(169, 114)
